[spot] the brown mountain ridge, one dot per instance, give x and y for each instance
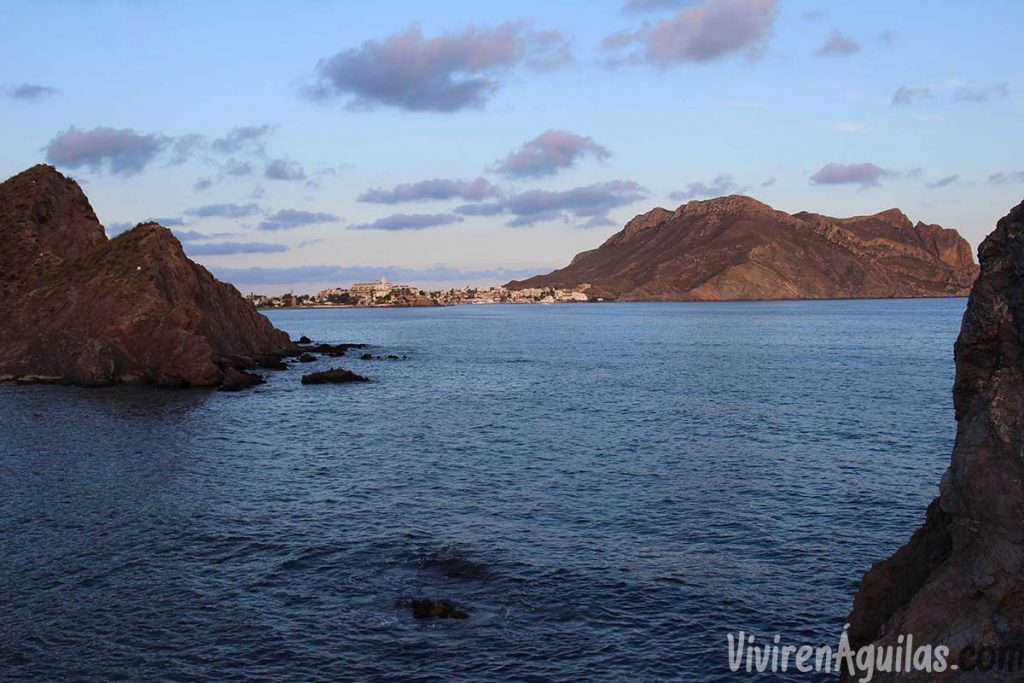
(737, 248)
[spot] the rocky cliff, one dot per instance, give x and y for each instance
(78, 308)
(959, 581)
(738, 248)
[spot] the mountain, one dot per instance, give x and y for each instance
(958, 581)
(736, 248)
(78, 308)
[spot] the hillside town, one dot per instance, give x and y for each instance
(384, 294)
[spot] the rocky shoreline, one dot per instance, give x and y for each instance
(958, 581)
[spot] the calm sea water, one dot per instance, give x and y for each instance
(608, 489)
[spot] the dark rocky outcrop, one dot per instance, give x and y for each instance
(239, 380)
(736, 248)
(95, 312)
(333, 376)
(960, 580)
(334, 350)
(432, 609)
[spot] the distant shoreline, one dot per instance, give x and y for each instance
(618, 301)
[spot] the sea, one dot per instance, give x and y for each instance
(608, 490)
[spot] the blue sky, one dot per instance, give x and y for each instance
(288, 143)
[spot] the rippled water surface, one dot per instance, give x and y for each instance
(608, 489)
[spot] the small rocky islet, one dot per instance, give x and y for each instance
(81, 309)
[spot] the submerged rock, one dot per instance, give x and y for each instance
(431, 609)
(94, 312)
(307, 358)
(334, 376)
(959, 581)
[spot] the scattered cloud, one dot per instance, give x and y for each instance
(865, 175)
(196, 236)
(638, 6)
(850, 127)
(721, 185)
(446, 73)
(229, 248)
(549, 153)
(909, 94)
(203, 184)
(122, 151)
(30, 92)
(710, 31)
(410, 221)
(224, 211)
(838, 45)
(290, 219)
(167, 221)
(283, 169)
(981, 94)
(185, 147)
(243, 139)
(1004, 177)
(943, 182)
(482, 209)
(770, 182)
(240, 142)
(430, 190)
(344, 274)
(237, 168)
(536, 206)
(600, 222)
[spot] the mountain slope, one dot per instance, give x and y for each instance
(738, 248)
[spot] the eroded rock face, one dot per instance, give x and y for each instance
(95, 312)
(960, 579)
(738, 248)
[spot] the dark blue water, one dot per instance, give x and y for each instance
(608, 489)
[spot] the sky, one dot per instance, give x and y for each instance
(294, 146)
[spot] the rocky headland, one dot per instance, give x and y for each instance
(959, 581)
(737, 248)
(78, 308)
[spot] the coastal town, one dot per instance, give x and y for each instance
(384, 294)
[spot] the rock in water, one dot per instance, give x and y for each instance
(432, 609)
(735, 247)
(95, 312)
(960, 580)
(334, 376)
(238, 380)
